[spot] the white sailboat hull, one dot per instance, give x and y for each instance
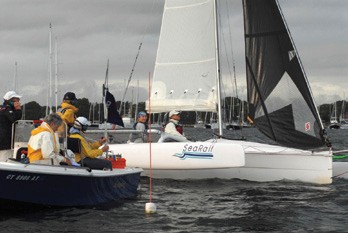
(235, 160)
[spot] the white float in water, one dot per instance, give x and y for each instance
(150, 208)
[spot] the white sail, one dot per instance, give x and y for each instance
(185, 74)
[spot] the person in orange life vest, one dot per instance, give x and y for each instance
(43, 143)
(10, 112)
(173, 126)
(89, 150)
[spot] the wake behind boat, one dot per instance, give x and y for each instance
(280, 101)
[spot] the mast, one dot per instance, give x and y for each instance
(50, 69)
(136, 102)
(15, 77)
(218, 70)
(56, 74)
(105, 89)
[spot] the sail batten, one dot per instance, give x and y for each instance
(185, 76)
(282, 105)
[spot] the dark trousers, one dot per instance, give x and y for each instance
(98, 164)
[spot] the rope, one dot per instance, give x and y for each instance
(340, 174)
(150, 138)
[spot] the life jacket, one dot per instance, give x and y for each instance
(36, 154)
(135, 125)
(179, 128)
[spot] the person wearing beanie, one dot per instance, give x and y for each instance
(89, 148)
(140, 125)
(68, 109)
(10, 112)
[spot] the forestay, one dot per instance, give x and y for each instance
(185, 75)
(281, 101)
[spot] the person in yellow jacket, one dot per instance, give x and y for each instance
(43, 143)
(89, 151)
(67, 112)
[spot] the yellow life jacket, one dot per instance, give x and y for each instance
(36, 154)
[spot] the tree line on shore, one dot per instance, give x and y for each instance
(95, 113)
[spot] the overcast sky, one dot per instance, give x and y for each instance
(89, 32)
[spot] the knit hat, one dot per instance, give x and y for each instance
(69, 96)
(142, 114)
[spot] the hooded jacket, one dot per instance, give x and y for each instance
(68, 112)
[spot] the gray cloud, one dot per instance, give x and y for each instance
(91, 31)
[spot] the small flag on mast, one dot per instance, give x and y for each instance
(113, 115)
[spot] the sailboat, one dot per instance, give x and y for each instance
(280, 101)
(343, 116)
(334, 124)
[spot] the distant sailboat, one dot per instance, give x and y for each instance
(333, 119)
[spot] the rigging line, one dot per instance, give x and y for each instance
(241, 114)
(339, 174)
(232, 54)
(130, 76)
(136, 58)
(234, 91)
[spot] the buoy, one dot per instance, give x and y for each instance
(150, 208)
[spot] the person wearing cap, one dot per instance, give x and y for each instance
(89, 147)
(140, 125)
(173, 127)
(10, 112)
(68, 109)
(43, 145)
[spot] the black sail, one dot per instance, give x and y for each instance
(282, 106)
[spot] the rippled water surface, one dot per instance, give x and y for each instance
(203, 206)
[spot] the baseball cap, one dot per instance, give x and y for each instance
(173, 112)
(11, 94)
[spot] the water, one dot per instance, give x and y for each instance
(204, 206)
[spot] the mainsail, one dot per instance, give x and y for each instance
(282, 105)
(185, 74)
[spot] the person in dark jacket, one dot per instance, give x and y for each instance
(10, 112)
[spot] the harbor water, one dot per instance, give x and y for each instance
(211, 205)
